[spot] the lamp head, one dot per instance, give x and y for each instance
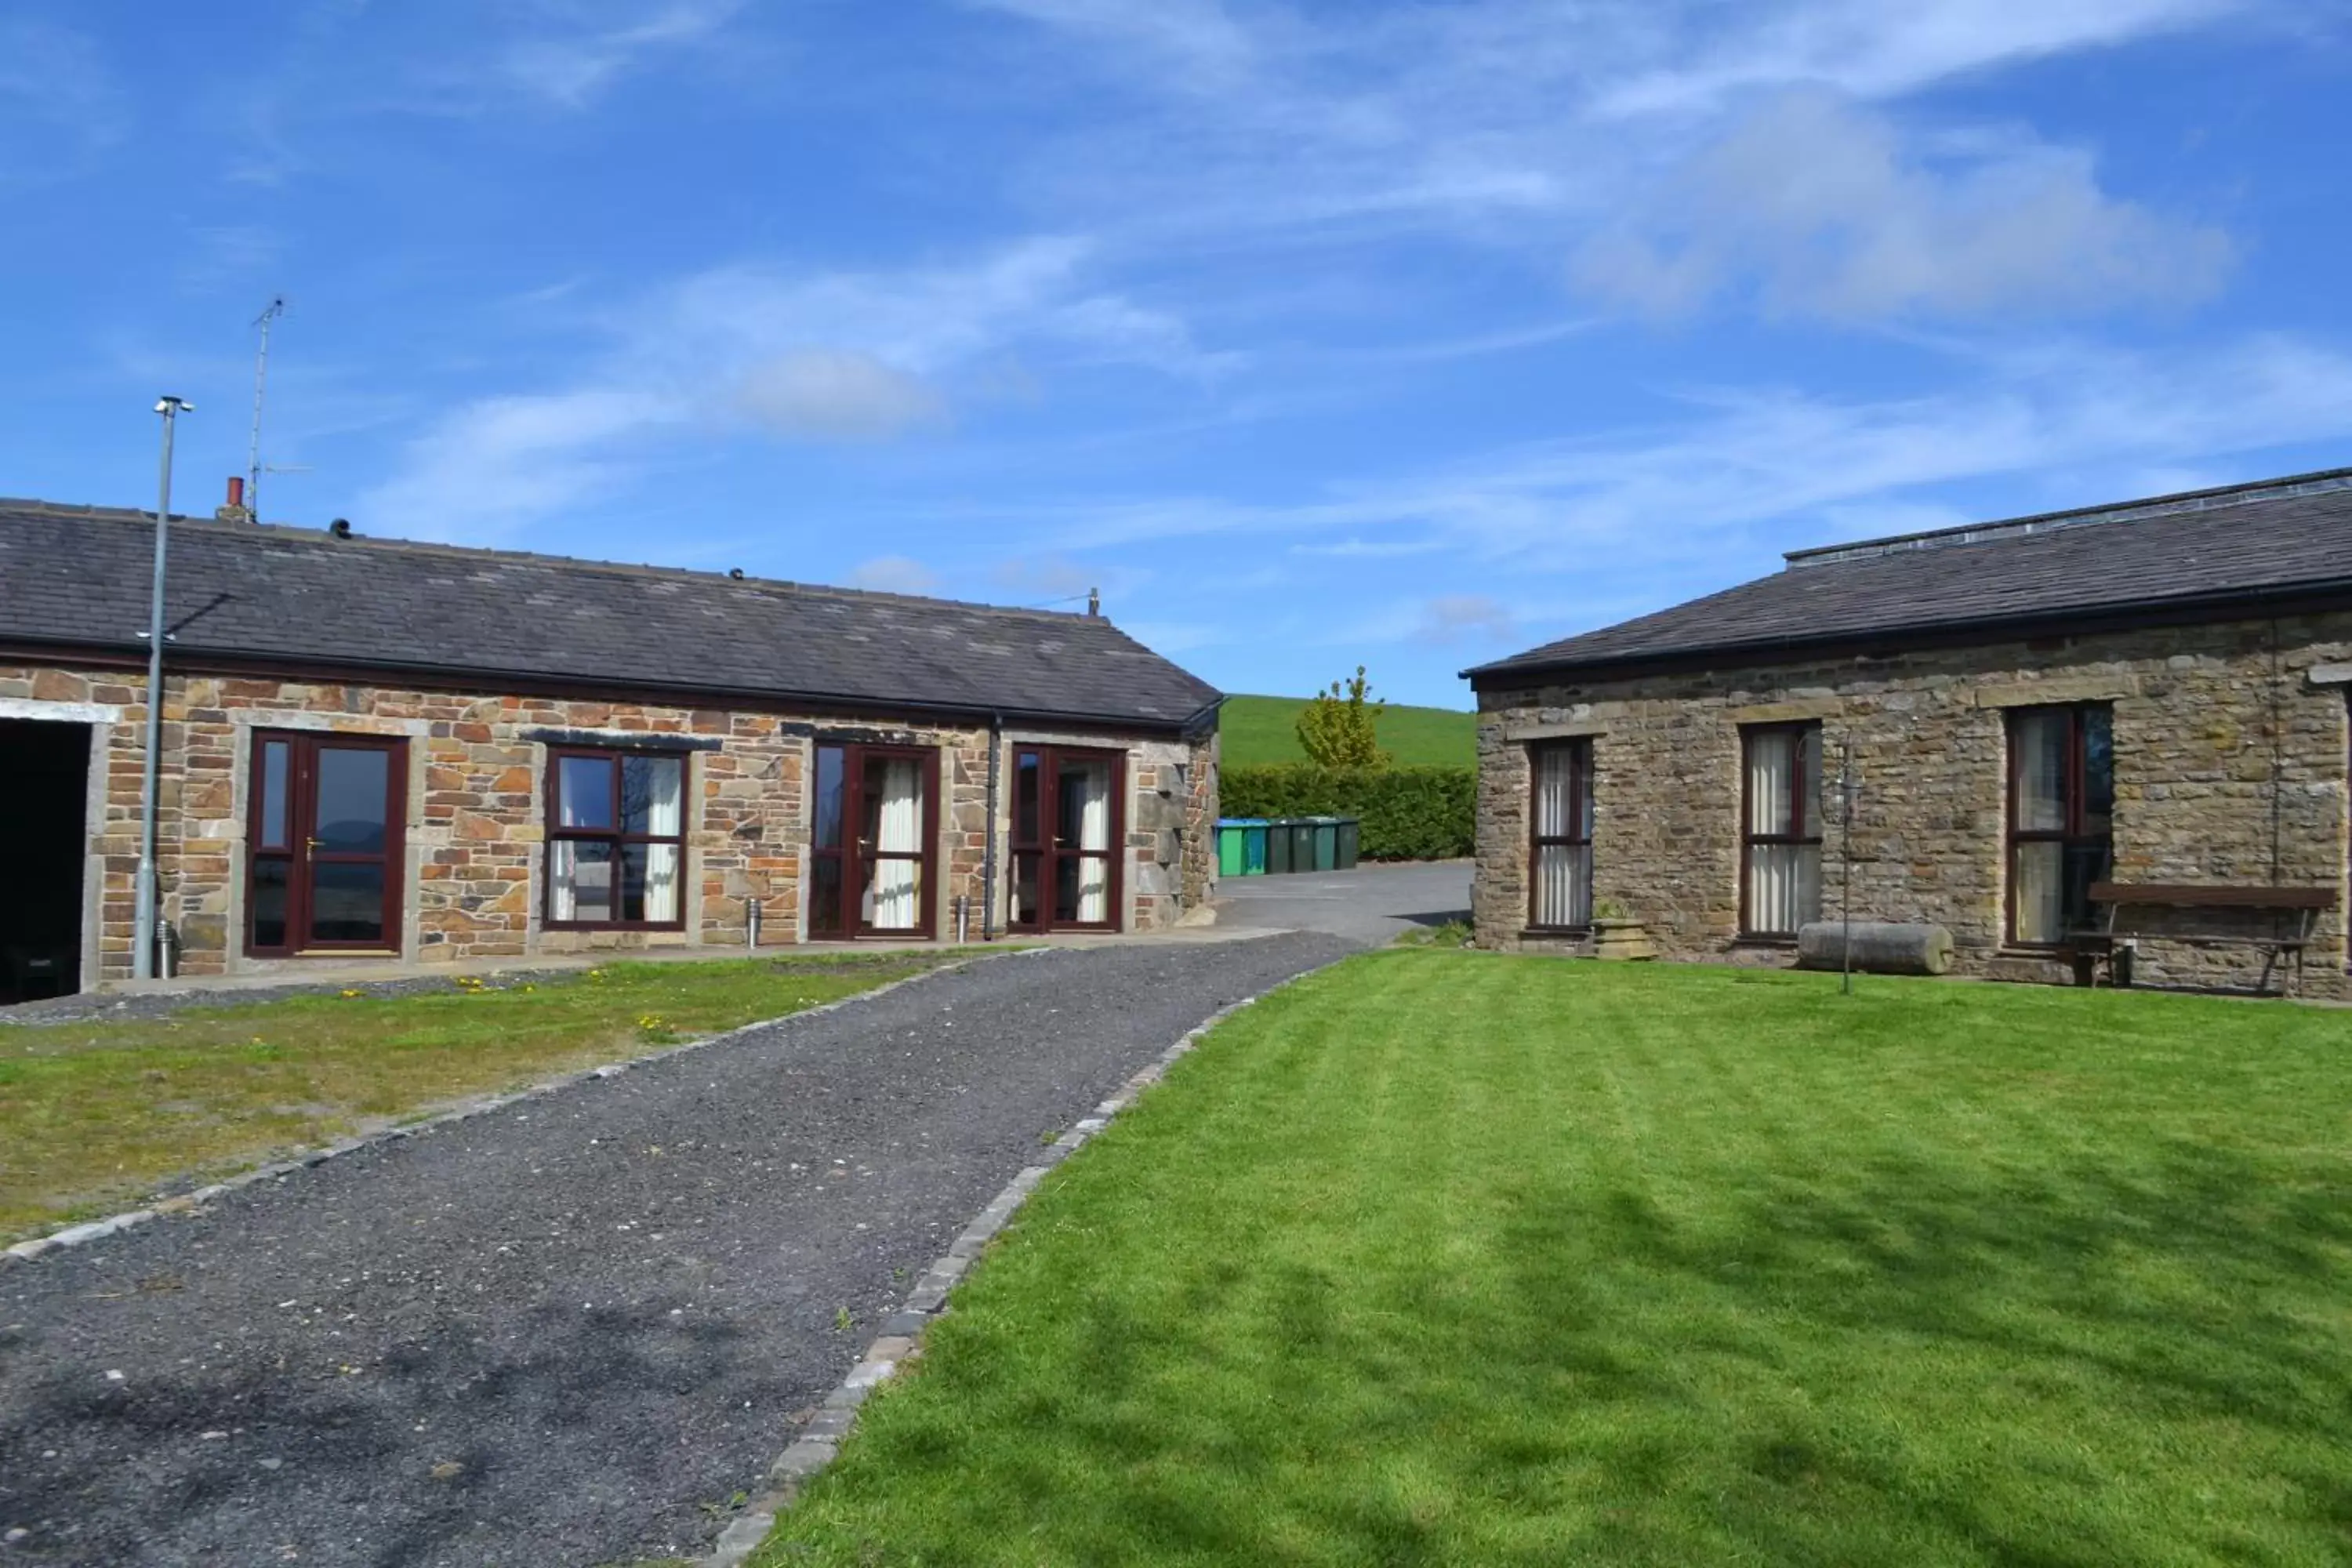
(174, 404)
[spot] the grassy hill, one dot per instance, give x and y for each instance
(1264, 730)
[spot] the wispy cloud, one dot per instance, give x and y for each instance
(60, 101)
(1815, 205)
(894, 574)
(570, 57)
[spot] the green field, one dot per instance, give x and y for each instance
(1264, 730)
(1448, 1258)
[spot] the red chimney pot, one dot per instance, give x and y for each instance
(236, 492)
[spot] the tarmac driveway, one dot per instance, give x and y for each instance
(565, 1333)
(1370, 905)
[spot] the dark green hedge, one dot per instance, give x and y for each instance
(1409, 814)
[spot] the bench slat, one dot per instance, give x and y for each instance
(2188, 895)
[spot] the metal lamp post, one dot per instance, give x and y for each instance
(142, 954)
(1849, 787)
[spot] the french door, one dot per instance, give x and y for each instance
(1068, 822)
(873, 842)
(323, 862)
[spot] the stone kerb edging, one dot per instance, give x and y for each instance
(189, 1203)
(900, 1337)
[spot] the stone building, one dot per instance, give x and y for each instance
(2150, 695)
(416, 753)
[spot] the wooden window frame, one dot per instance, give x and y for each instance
(1045, 846)
(557, 834)
(1578, 750)
(297, 852)
(853, 926)
(2072, 835)
(1801, 832)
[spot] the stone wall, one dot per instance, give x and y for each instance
(2230, 766)
(476, 810)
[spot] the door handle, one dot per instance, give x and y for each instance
(313, 843)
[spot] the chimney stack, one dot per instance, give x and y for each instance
(236, 510)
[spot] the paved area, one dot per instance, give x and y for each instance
(566, 1333)
(1370, 905)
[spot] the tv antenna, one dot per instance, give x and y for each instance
(253, 470)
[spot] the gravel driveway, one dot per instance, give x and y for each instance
(570, 1332)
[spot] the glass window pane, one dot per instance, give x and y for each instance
(1025, 911)
(1809, 781)
(2098, 769)
(891, 797)
(824, 895)
(649, 794)
(1082, 805)
(1563, 885)
(269, 889)
(1583, 770)
(892, 899)
(355, 800)
(829, 775)
(1065, 889)
(1026, 767)
(580, 881)
(1772, 781)
(274, 757)
(347, 902)
(2038, 891)
(584, 790)
(1784, 887)
(2039, 739)
(1555, 771)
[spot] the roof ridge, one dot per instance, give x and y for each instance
(2213, 498)
(573, 562)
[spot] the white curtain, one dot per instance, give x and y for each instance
(893, 890)
(667, 777)
(1784, 880)
(1094, 834)
(1563, 872)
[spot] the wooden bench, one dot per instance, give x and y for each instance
(2113, 941)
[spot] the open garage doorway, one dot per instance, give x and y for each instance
(45, 838)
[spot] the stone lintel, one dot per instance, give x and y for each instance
(2331, 675)
(1797, 710)
(1576, 730)
(2064, 689)
(338, 724)
(60, 712)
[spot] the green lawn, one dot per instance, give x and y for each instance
(1264, 729)
(1452, 1258)
(93, 1117)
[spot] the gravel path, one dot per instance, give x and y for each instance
(566, 1333)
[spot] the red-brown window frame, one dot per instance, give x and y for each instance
(302, 747)
(1579, 751)
(1044, 844)
(1798, 834)
(2067, 837)
(557, 834)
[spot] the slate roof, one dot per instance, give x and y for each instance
(2219, 549)
(78, 578)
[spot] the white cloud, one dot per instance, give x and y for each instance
(1817, 207)
(60, 103)
(575, 60)
(830, 395)
(1450, 618)
(491, 466)
(894, 574)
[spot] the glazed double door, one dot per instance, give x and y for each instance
(1067, 825)
(323, 841)
(871, 845)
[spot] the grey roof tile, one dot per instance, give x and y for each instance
(79, 577)
(2273, 537)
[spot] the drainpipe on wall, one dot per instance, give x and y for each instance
(988, 841)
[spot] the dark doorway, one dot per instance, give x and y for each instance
(44, 809)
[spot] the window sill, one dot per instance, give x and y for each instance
(1556, 933)
(1748, 939)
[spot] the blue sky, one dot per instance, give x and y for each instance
(1313, 334)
